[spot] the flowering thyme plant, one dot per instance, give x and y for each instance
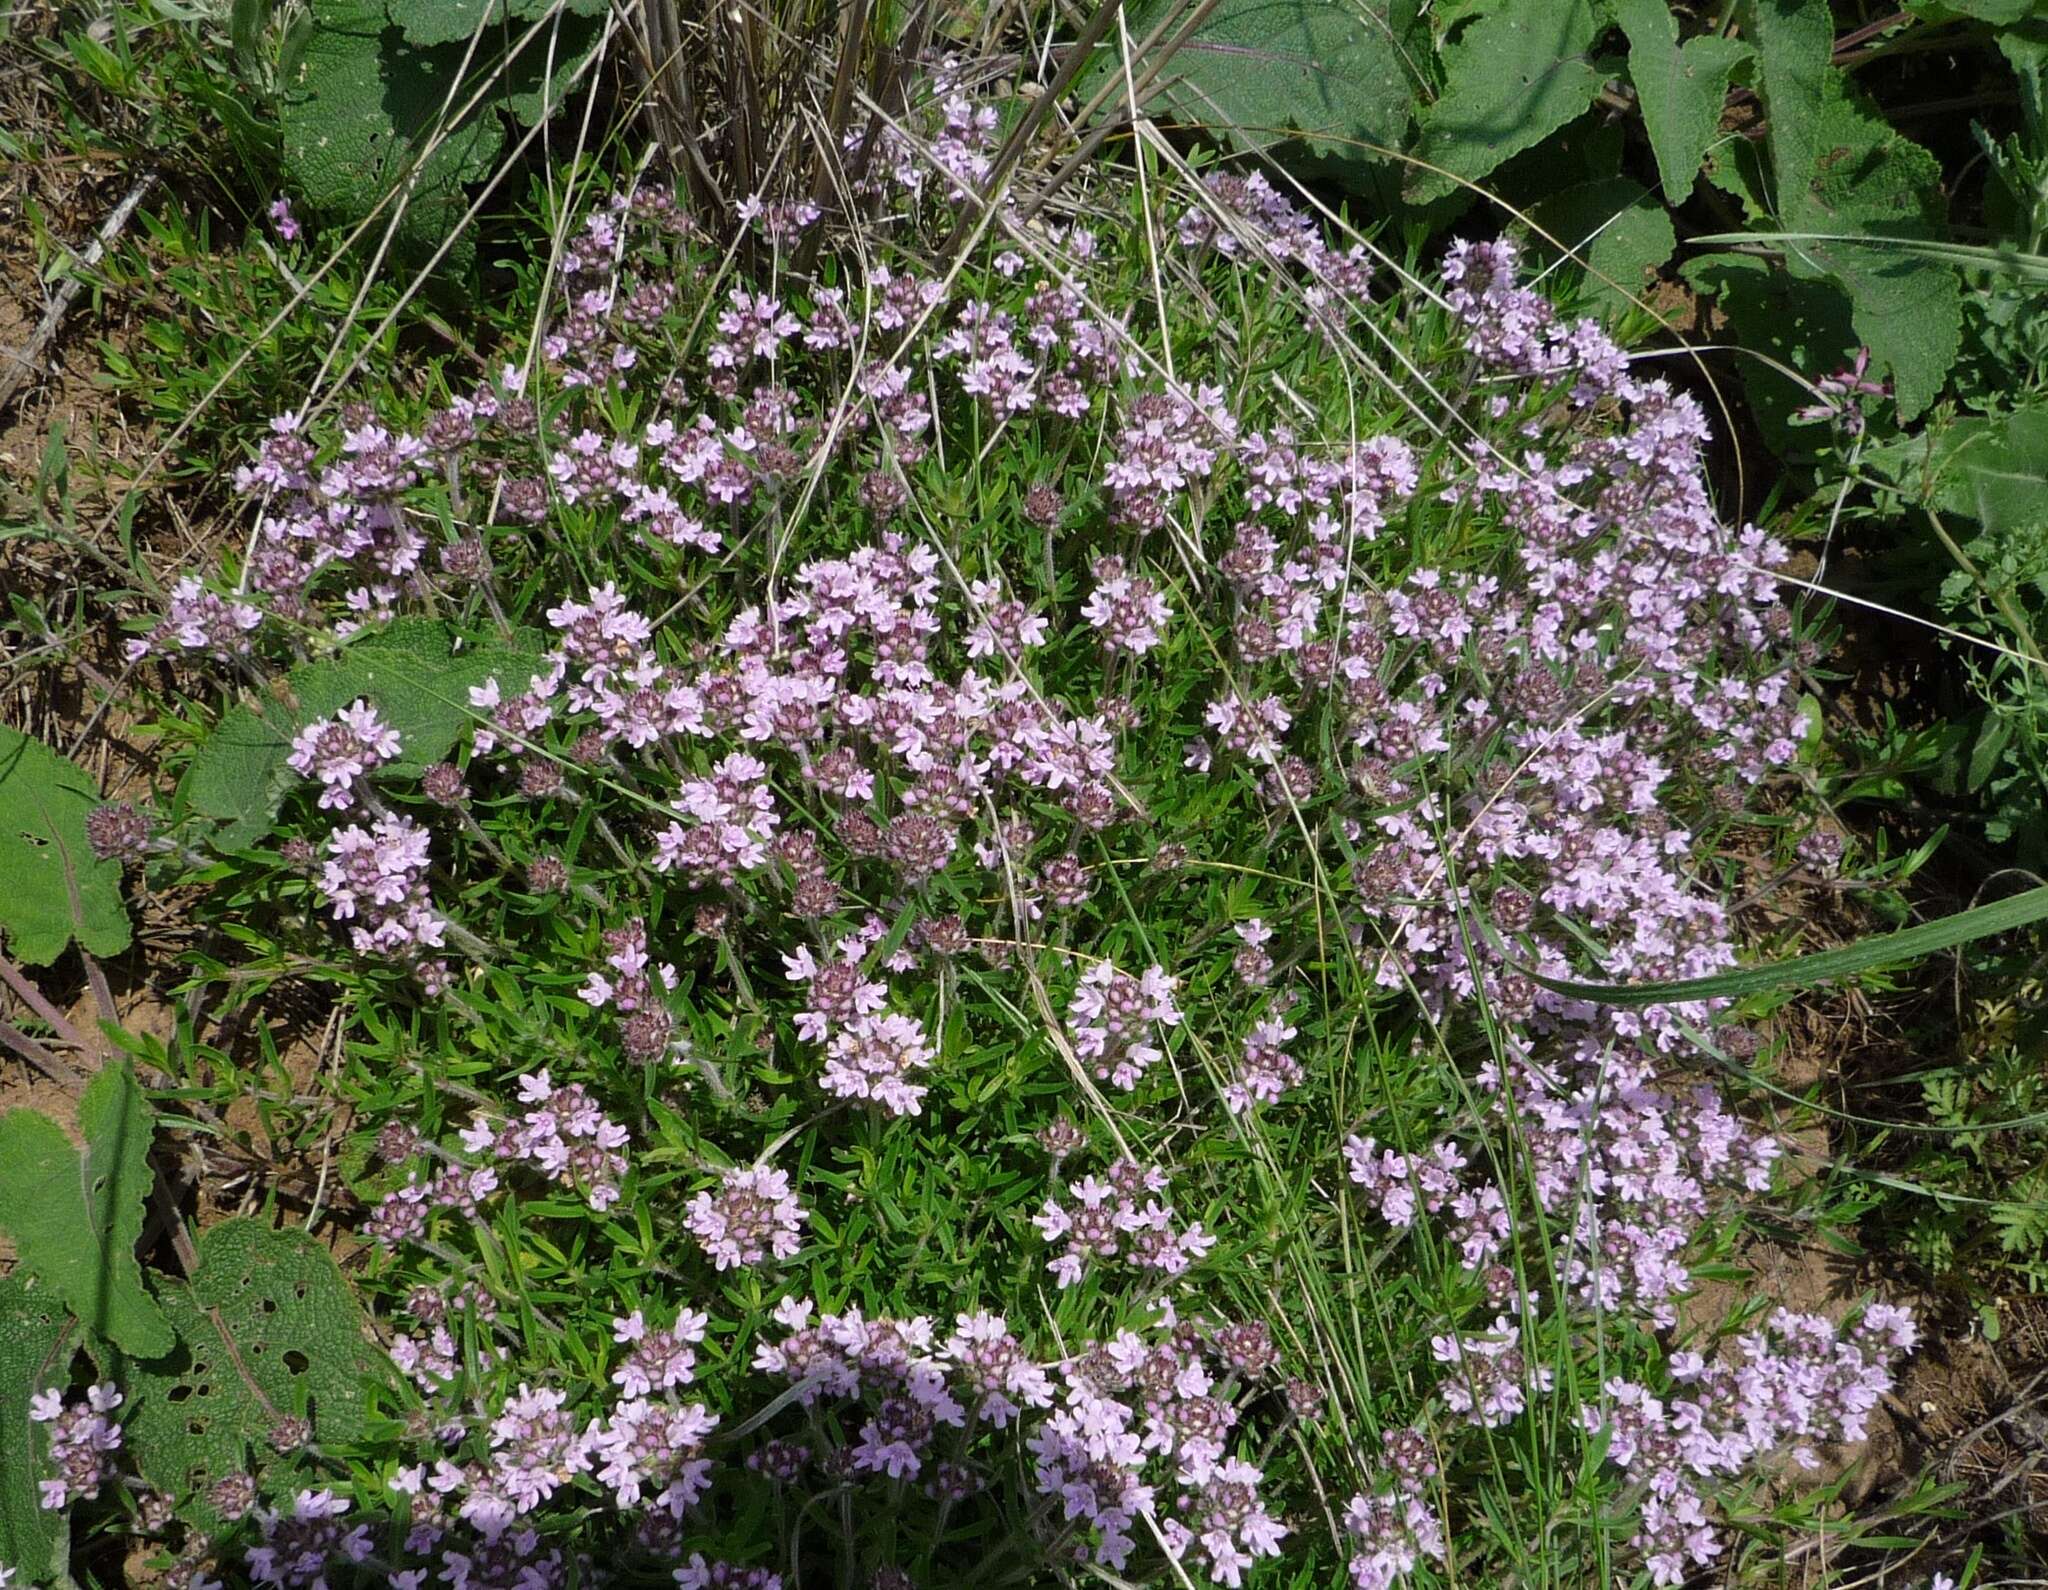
(1049, 771)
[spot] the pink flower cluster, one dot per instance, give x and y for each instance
(752, 1216)
(339, 750)
(300, 1547)
(84, 1438)
(1395, 1526)
(1798, 1382)
(1113, 1021)
(911, 1383)
(376, 879)
(198, 621)
(635, 989)
(1119, 1218)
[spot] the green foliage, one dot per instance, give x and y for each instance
(1681, 88)
(1813, 156)
(75, 1217)
(1617, 228)
(52, 889)
(1511, 79)
(267, 1329)
(409, 671)
(410, 102)
(33, 1329)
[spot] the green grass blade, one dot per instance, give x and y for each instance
(1885, 949)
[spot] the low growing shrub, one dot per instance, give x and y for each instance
(942, 869)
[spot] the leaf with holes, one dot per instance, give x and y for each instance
(267, 1330)
(33, 1328)
(75, 1217)
(52, 890)
(409, 672)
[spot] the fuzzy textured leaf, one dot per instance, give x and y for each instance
(1841, 169)
(33, 1326)
(267, 1328)
(75, 1217)
(1511, 80)
(1681, 88)
(409, 672)
(383, 99)
(44, 799)
(1993, 470)
(429, 22)
(361, 113)
(1332, 72)
(1620, 232)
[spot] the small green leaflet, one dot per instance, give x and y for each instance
(75, 1218)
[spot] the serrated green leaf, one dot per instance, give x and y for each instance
(1511, 79)
(1840, 169)
(409, 672)
(1992, 469)
(75, 1218)
(1619, 231)
(33, 1326)
(429, 22)
(267, 1329)
(1783, 323)
(44, 858)
(1681, 88)
(1332, 73)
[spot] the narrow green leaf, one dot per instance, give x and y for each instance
(1884, 949)
(75, 1218)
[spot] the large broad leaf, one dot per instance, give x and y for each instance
(1511, 79)
(1993, 470)
(33, 1327)
(428, 22)
(1840, 170)
(410, 672)
(1615, 228)
(372, 107)
(52, 890)
(1681, 88)
(1785, 326)
(267, 1330)
(1327, 76)
(75, 1217)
